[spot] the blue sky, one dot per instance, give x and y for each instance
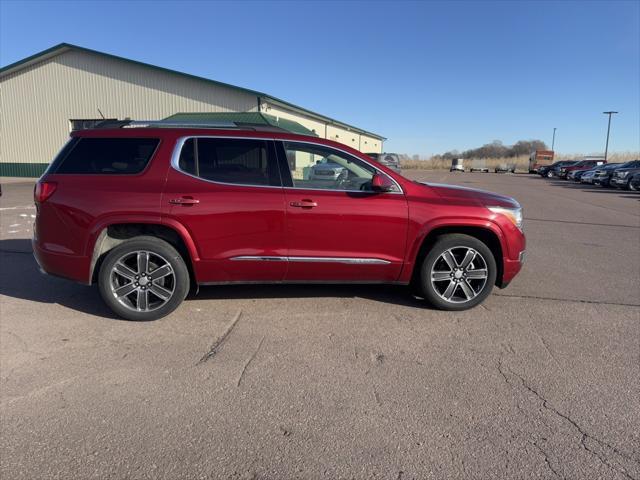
(430, 76)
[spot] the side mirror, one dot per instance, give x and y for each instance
(381, 183)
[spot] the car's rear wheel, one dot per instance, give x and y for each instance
(549, 174)
(144, 278)
(458, 272)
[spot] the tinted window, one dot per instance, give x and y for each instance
(187, 162)
(238, 161)
(319, 167)
(109, 156)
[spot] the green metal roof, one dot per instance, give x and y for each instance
(247, 118)
(63, 47)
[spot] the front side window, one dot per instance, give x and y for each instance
(319, 167)
(107, 156)
(237, 161)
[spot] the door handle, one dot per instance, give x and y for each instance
(184, 201)
(304, 204)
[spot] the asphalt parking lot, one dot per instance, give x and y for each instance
(279, 382)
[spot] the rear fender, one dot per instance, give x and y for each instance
(98, 234)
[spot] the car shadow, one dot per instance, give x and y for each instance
(20, 278)
(392, 294)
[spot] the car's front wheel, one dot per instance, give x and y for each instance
(144, 278)
(458, 272)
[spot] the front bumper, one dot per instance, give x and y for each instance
(511, 268)
(619, 182)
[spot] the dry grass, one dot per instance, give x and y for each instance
(521, 163)
(611, 157)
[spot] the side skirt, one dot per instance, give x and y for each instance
(304, 282)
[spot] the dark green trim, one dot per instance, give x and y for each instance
(243, 118)
(30, 170)
(62, 47)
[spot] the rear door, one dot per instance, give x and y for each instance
(337, 228)
(227, 193)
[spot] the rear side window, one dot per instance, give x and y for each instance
(237, 161)
(107, 156)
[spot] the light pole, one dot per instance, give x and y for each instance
(553, 142)
(606, 148)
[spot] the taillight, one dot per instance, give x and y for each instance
(43, 191)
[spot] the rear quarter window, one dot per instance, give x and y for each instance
(107, 156)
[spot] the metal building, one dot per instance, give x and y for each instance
(45, 96)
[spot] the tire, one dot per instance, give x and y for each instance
(458, 245)
(632, 188)
(124, 270)
(549, 174)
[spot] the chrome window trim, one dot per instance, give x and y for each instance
(177, 150)
(346, 260)
(399, 192)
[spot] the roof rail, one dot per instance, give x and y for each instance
(190, 124)
(177, 124)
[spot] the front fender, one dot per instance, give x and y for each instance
(423, 231)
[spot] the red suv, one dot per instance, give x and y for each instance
(148, 212)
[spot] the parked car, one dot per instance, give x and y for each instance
(556, 171)
(575, 175)
(588, 176)
(603, 174)
(389, 160)
(506, 168)
(457, 165)
(621, 176)
(326, 170)
(634, 182)
(479, 165)
(146, 212)
(564, 170)
(548, 170)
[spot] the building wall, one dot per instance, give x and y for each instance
(37, 102)
(329, 131)
(311, 124)
(342, 135)
(370, 144)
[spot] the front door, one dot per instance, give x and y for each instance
(338, 229)
(228, 195)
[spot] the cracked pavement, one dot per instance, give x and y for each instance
(353, 382)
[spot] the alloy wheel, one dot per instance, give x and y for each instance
(142, 281)
(459, 274)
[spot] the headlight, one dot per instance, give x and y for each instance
(513, 214)
(623, 174)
